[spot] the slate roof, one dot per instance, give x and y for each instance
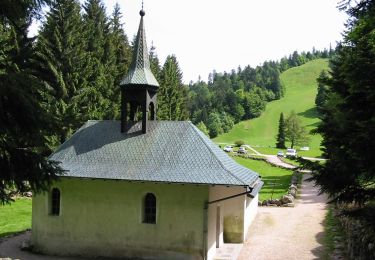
(171, 151)
(140, 73)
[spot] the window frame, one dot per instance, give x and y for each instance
(55, 202)
(149, 208)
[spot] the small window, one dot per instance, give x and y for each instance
(149, 209)
(55, 202)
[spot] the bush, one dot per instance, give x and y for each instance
(239, 143)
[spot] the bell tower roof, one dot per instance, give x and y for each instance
(140, 73)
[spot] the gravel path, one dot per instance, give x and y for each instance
(273, 159)
(288, 233)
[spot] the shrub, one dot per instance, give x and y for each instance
(238, 143)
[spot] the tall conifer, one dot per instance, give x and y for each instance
(23, 120)
(62, 64)
(280, 140)
(172, 103)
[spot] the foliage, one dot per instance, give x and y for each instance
(214, 124)
(239, 143)
(172, 103)
(15, 217)
(280, 139)
(332, 230)
(321, 96)
(295, 132)
(348, 115)
(60, 52)
(201, 126)
(24, 121)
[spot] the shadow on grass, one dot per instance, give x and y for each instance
(10, 234)
(310, 113)
(316, 124)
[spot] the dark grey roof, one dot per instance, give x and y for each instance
(171, 151)
(140, 73)
(255, 190)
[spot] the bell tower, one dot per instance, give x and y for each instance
(139, 88)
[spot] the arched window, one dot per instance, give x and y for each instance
(55, 202)
(149, 209)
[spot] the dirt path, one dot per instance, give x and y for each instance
(288, 233)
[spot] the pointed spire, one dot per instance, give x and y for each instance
(140, 72)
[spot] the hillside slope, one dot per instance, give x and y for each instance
(301, 88)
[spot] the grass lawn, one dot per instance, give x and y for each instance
(276, 180)
(15, 217)
(332, 229)
(301, 89)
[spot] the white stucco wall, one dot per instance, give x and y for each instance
(104, 218)
(251, 205)
(232, 211)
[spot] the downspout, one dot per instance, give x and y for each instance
(205, 218)
(205, 230)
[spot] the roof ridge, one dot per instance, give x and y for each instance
(212, 152)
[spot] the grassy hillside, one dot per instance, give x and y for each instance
(301, 89)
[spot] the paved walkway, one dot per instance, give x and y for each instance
(288, 233)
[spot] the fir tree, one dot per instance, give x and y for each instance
(95, 98)
(117, 58)
(172, 95)
(321, 96)
(280, 140)
(348, 116)
(61, 55)
(23, 120)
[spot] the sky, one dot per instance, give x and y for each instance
(207, 35)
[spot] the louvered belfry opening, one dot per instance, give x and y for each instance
(139, 87)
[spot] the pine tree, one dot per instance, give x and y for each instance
(172, 95)
(23, 120)
(322, 94)
(95, 98)
(61, 55)
(348, 116)
(154, 63)
(280, 140)
(117, 58)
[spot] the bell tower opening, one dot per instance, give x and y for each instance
(139, 87)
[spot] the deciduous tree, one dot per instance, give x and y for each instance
(295, 132)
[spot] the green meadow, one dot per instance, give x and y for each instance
(15, 217)
(301, 88)
(276, 180)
